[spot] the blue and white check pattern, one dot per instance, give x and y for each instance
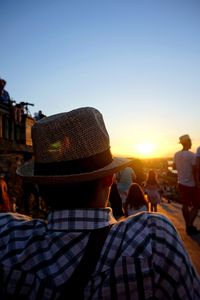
(143, 256)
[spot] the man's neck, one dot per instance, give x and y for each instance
(185, 149)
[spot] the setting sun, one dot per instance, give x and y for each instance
(141, 149)
(145, 149)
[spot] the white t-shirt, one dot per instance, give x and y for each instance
(185, 161)
(124, 180)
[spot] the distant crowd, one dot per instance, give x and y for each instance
(18, 110)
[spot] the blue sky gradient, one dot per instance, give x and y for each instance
(138, 62)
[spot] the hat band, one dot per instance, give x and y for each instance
(77, 166)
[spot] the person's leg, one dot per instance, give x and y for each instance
(190, 208)
(194, 210)
(193, 214)
(186, 214)
(185, 204)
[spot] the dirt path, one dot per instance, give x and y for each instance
(173, 212)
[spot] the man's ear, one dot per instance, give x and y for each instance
(108, 180)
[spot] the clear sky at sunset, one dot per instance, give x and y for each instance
(138, 62)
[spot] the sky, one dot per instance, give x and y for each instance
(137, 61)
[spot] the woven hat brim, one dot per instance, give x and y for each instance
(27, 173)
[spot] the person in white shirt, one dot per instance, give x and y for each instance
(124, 180)
(184, 162)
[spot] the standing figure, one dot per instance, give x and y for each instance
(135, 201)
(18, 113)
(39, 115)
(30, 196)
(4, 95)
(185, 164)
(4, 196)
(115, 200)
(152, 190)
(124, 180)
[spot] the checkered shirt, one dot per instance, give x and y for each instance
(142, 258)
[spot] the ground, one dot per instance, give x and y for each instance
(173, 212)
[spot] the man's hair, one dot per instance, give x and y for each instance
(69, 195)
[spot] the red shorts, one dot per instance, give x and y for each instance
(189, 195)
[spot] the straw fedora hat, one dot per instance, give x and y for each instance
(72, 146)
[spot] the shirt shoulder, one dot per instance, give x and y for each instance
(142, 232)
(178, 153)
(183, 155)
(14, 223)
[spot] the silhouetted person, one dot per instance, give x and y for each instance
(185, 164)
(124, 180)
(115, 200)
(4, 95)
(39, 115)
(4, 196)
(30, 191)
(135, 201)
(152, 190)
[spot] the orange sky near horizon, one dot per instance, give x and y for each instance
(147, 149)
(147, 139)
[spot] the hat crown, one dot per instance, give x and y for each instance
(68, 136)
(71, 147)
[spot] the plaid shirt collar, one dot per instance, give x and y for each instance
(80, 219)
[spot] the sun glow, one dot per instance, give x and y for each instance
(145, 149)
